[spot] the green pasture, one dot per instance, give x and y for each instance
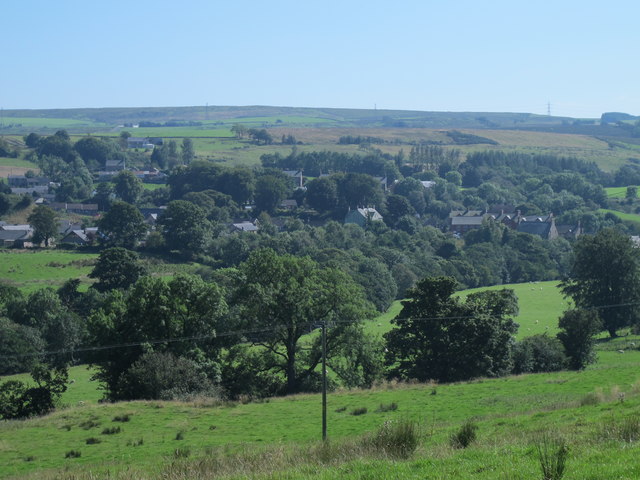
(630, 217)
(17, 162)
(42, 122)
(510, 412)
(152, 186)
(616, 192)
(173, 132)
(34, 269)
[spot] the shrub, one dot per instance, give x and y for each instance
(72, 454)
(111, 431)
(359, 411)
(552, 456)
(396, 439)
(164, 376)
(579, 328)
(93, 441)
(340, 409)
(465, 436)
(89, 424)
(180, 435)
(538, 353)
(122, 418)
(393, 406)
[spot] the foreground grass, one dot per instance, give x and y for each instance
(279, 438)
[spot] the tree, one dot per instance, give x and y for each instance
(438, 336)
(128, 187)
(239, 130)
(116, 268)
(322, 194)
(605, 275)
(188, 153)
(18, 400)
(270, 191)
(260, 136)
(32, 140)
(150, 314)
(285, 297)
(61, 329)
(360, 190)
(577, 334)
(185, 227)
(20, 344)
(96, 149)
(122, 226)
(45, 225)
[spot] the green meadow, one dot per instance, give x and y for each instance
(30, 270)
(630, 217)
(151, 439)
(38, 123)
(616, 192)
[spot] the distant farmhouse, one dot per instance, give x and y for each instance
(360, 216)
(139, 142)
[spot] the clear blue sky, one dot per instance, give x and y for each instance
(447, 55)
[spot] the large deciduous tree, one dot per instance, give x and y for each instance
(270, 191)
(45, 225)
(605, 276)
(128, 187)
(152, 314)
(122, 226)
(285, 297)
(185, 227)
(116, 268)
(440, 337)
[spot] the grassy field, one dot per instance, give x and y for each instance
(510, 412)
(41, 122)
(616, 192)
(33, 269)
(630, 217)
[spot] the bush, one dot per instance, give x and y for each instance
(359, 411)
(122, 418)
(92, 441)
(111, 431)
(396, 439)
(579, 328)
(72, 454)
(538, 353)
(156, 376)
(19, 401)
(393, 406)
(465, 436)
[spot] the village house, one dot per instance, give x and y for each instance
(360, 216)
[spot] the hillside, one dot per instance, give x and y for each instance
(84, 117)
